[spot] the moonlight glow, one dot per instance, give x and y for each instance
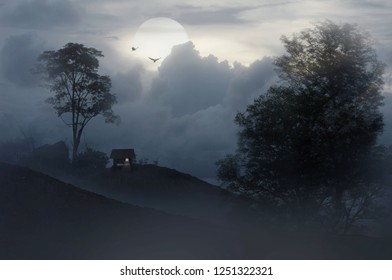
(156, 37)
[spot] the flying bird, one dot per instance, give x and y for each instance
(154, 59)
(134, 48)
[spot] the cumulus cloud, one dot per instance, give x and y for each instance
(183, 114)
(190, 143)
(188, 82)
(250, 82)
(185, 121)
(43, 14)
(128, 86)
(18, 56)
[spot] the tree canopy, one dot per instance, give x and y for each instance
(80, 93)
(306, 141)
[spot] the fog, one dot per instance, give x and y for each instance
(181, 116)
(177, 114)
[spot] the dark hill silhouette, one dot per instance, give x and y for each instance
(43, 218)
(171, 191)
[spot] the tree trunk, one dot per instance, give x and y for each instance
(75, 147)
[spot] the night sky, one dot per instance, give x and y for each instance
(180, 110)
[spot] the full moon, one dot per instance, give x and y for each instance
(156, 37)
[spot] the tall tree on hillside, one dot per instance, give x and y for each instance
(306, 141)
(80, 93)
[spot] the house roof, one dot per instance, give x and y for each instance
(122, 153)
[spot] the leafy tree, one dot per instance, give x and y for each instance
(79, 91)
(306, 141)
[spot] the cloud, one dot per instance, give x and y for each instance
(193, 15)
(183, 114)
(113, 37)
(222, 14)
(43, 14)
(185, 121)
(18, 56)
(190, 143)
(128, 86)
(188, 82)
(24, 110)
(250, 82)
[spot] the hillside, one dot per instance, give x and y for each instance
(43, 218)
(169, 190)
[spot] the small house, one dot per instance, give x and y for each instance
(123, 158)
